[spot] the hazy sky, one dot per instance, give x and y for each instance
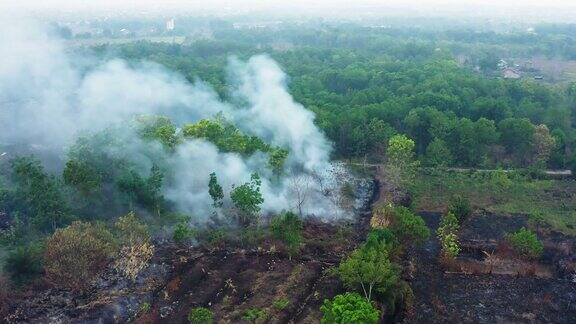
(257, 4)
(533, 8)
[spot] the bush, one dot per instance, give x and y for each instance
(136, 250)
(76, 254)
(24, 264)
(281, 304)
(288, 228)
(182, 233)
(201, 315)
(526, 244)
(448, 236)
(460, 207)
(349, 308)
(382, 216)
(382, 236)
(255, 315)
(409, 226)
(131, 230)
(134, 258)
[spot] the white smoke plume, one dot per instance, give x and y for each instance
(49, 95)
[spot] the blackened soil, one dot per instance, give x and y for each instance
(442, 297)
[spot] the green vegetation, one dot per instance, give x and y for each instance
(401, 166)
(408, 226)
(215, 191)
(349, 308)
(287, 227)
(281, 304)
(367, 84)
(76, 254)
(460, 207)
(228, 138)
(448, 236)
(182, 233)
(247, 200)
(526, 244)
(370, 268)
(201, 315)
(544, 201)
(24, 264)
(255, 315)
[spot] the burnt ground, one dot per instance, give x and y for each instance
(229, 280)
(232, 282)
(444, 296)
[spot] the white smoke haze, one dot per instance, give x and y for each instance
(48, 96)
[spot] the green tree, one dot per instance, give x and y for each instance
(517, 136)
(448, 236)
(370, 268)
(544, 144)
(39, 195)
(438, 154)
(158, 128)
(400, 167)
(82, 176)
(349, 308)
(247, 200)
(215, 191)
(277, 158)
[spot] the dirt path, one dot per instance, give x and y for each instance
(562, 173)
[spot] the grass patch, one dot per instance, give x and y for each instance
(552, 202)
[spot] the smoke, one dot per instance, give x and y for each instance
(49, 95)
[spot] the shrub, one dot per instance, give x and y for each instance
(144, 308)
(131, 230)
(281, 304)
(288, 228)
(409, 226)
(254, 315)
(134, 258)
(76, 254)
(460, 207)
(201, 315)
(385, 236)
(136, 250)
(24, 264)
(349, 308)
(182, 233)
(448, 236)
(526, 244)
(382, 216)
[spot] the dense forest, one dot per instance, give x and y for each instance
(366, 84)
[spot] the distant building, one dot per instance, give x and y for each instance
(170, 24)
(511, 74)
